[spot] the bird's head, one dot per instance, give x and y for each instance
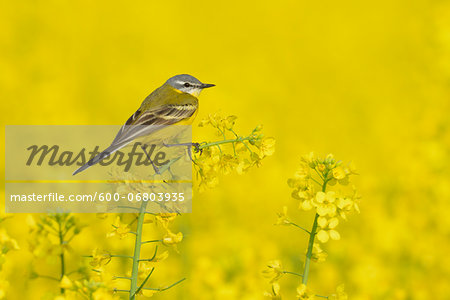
(188, 84)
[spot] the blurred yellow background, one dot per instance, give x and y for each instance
(367, 81)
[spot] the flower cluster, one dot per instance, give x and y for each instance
(121, 230)
(86, 289)
(164, 220)
(6, 244)
(309, 186)
(231, 153)
(144, 266)
(274, 270)
(50, 238)
(304, 293)
(274, 294)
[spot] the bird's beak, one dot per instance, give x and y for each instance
(207, 85)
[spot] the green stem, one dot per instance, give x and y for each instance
(144, 282)
(293, 224)
(137, 252)
(61, 256)
(152, 241)
(47, 277)
(167, 287)
(292, 273)
(153, 257)
(120, 255)
(241, 139)
(312, 235)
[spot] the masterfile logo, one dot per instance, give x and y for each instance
(40, 162)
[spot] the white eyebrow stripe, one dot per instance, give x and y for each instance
(195, 85)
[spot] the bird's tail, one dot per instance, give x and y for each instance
(99, 157)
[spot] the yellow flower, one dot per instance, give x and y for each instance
(307, 204)
(301, 177)
(218, 122)
(258, 128)
(161, 256)
(321, 167)
(172, 239)
(303, 293)
(303, 189)
(66, 283)
(340, 294)
(226, 164)
(318, 255)
(339, 173)
(101, 275)
(273, 271)
(229, 122)
(103, 294)
(329, 160)
(310, 160)
(165, 219)
(231, 153)
(100, 258)
(344, 206)
(4, 286)
(121, 230)
(325, 203)
(243, 165)
(42, 246)
(32, 226)
(240, 148)
(266, 147)
(208, 167)
(147, 293)
(275, 293)
(327, 229)
(146, 266)
(144, 269)
(283, 217)
(7, 243)
(2, 260)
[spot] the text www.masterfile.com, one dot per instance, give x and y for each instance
(102, 197)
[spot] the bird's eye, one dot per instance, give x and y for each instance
(187, 84)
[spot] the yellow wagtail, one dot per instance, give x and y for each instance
(173, 103)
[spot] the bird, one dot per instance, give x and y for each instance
(173, 103)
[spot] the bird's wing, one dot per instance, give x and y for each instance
(138, 125)
(145, 122)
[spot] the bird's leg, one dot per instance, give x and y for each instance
(197, 148)
(155, 168)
